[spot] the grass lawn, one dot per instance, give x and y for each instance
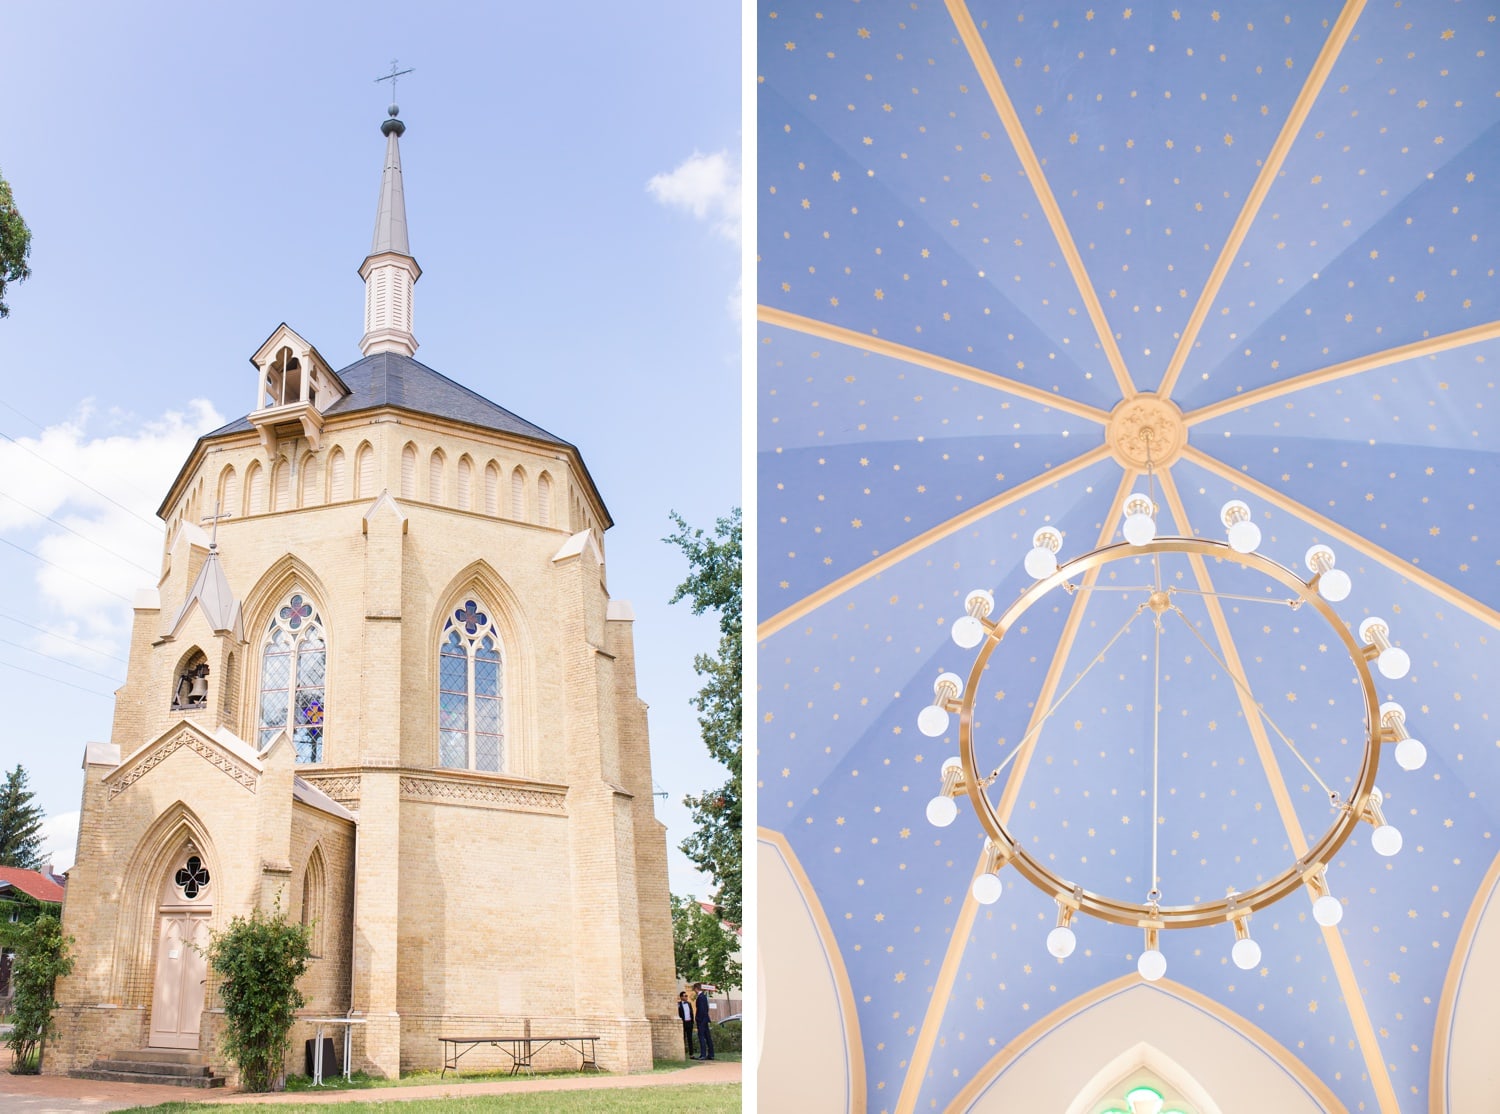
(362, 1082)
(722, 1098)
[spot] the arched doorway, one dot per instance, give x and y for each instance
(184, 908)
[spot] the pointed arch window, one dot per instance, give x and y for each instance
(471, 701)
(292, 669)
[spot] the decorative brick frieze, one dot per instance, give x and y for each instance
(216, 757)
(509, 797)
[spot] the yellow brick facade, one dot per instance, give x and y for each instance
(441, 899)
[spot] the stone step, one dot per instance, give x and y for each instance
(160, 1055)
(200, 1081)
(152, 1067)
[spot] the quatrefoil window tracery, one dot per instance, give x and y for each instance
(192, 879)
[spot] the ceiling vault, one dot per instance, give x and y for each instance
(1269, 170)
(894, 556)
(1427, 346)
(1439, 588)
(958, 941)
(1359, 1014)
(881, 347)
(1033, 168)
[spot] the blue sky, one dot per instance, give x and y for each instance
(194, 176)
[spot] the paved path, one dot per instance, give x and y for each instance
(53, 1094)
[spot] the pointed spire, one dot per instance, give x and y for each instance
(390, 214)
(389, 270)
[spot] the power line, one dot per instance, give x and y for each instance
(52, 657)
(75, 479)
(21, 413)
(65, 638)
(76, 534)
(55, 681)
(59, 568)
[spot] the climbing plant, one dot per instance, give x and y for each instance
(258, 960)
(41, 959)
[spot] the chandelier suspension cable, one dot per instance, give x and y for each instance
(1155, 894)
(1045, 716)
(1292, 603)
(1245, 688)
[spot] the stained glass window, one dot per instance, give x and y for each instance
(292, 671)
(471, 702)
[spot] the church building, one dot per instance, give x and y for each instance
(380, 687)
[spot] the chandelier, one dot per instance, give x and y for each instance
(963, 775)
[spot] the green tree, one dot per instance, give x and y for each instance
(702, 945)
(15, 244)
(20, 823)
(41, 958)
(715, 583)
(258, 960)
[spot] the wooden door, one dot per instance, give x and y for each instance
(181, 974)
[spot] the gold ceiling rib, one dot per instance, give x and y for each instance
(1427, 346)
(969, 33)
(1437, 586)
(958, 941)
(880, 347)
(1263, 748)
(1359, 1014)
(1269, 171)
(894, 556)
(853, 1042)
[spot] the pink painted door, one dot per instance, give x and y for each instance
(181, 971)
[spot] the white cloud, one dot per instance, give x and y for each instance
(60, 840)
(105, 489)
(708, 186)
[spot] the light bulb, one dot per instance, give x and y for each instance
(1244, 537)
(1386, 840)
(1041, 562)
(968, 632)
(1152, 965)
(1246, 954)
(1411, 754)
(987, 889)
(1327, 911)
(1061, 941)
(941, 811)
(932, 721)
(1334, 585)
(1393, 663)
(1140, 529)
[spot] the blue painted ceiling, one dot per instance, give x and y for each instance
(929, 356)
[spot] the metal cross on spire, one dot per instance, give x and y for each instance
(393, 75)
(213, 541)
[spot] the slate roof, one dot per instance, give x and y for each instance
(390, 379)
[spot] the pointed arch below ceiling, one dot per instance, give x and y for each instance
(1226, 1060)
(1465, 1073)
(1143, 1065)
(813, 1028)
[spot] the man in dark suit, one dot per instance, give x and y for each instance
(685, 1012)
(700, 1012)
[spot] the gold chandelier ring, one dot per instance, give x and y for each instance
(1305, 871)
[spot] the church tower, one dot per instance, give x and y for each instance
(381, 687)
